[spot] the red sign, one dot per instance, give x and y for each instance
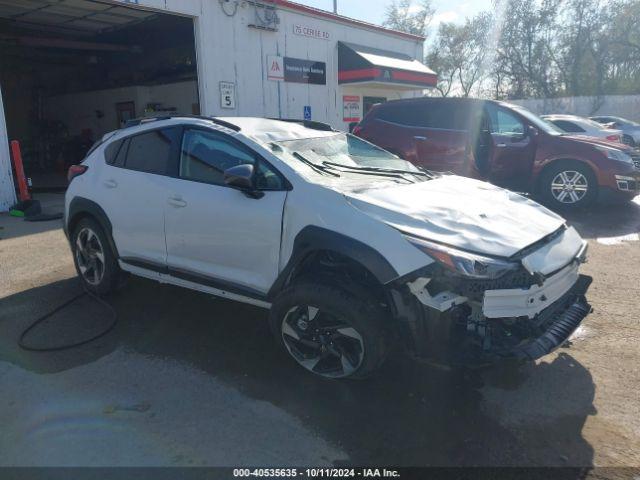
(351, 108)
(275, 68)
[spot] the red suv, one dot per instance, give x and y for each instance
(506, 145)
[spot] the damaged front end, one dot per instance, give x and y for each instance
(471, 310)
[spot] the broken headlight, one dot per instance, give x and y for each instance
(470, 265)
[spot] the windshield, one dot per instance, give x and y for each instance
(544, 125)
(345, 150)
(625, 122)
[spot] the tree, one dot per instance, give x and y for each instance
(459, 55)
(408, 17)
(525, 59)
(617, 47)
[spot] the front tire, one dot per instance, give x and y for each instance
(331, 332)
(568, 185)
(93, 257)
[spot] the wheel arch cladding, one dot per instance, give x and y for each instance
(312, 239)
(80, 208)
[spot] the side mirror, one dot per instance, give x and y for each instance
(533, 131)
(241, 177)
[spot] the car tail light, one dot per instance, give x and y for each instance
(357, 130)
(614, 138)
(76, 171)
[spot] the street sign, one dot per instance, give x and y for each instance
(228, 95)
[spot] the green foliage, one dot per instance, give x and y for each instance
(460, 55)
(542, 48)
(408, 16)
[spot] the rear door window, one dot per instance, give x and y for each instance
(404, 114)
(448, 116)
(151, 151)
(441, 115)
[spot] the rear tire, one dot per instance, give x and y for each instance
(333, 332)
(93, 257)
(568, 185)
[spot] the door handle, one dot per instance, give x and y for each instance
(501, 145)
(420, 138)
(110, 183)
(177, 202)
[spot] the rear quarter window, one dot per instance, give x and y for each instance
(111, 152)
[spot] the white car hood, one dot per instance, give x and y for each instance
(461, 212)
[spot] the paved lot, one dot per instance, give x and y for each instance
(186, 379)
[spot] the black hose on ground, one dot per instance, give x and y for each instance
(114, 320)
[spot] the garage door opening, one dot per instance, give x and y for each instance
(73, 70)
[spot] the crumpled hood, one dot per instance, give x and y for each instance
(461, 212)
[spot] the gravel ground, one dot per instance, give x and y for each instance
(186, 379)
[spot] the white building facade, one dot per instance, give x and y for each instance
(283, 60)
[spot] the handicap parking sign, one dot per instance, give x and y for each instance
(307, 112)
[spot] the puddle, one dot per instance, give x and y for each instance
(631, 237)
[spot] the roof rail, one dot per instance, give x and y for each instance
(313, 125)
(141, 121)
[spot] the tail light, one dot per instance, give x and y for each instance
(614, 138)
(76, 171)
(357, 130)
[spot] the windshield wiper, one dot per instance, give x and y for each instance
(318, 168)
(395, 171)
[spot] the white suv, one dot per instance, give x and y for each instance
(348, 246)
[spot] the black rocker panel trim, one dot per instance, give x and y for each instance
(313, 239)
(217, 283)
(196, 278)
(147, 265)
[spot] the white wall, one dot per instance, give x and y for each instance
(78, 110)
(7, 191)
(229, 50)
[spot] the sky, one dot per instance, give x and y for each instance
(372, 11)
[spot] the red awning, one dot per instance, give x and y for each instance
(359, 64)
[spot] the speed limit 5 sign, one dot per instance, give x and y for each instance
(227, 95)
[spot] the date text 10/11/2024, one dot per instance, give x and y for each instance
(316, 472)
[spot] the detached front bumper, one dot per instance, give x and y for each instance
(556, 324)
(460, 336)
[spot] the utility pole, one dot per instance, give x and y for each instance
(335, 6)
